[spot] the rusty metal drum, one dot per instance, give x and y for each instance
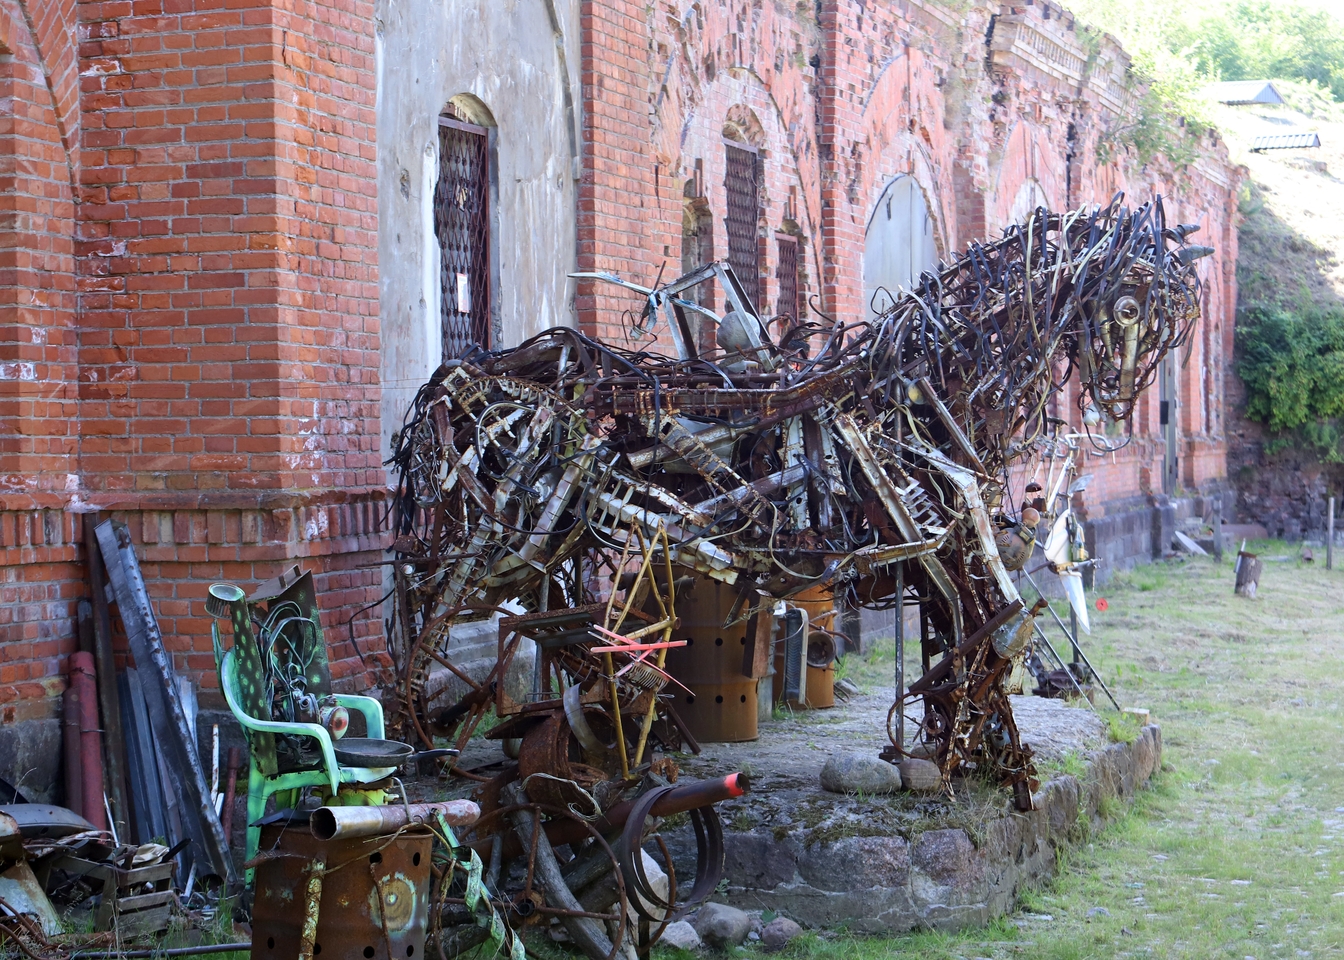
(369, 885)
(721, 705)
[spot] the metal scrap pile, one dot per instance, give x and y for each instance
(590, 486)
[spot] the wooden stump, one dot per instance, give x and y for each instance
(1248, 573)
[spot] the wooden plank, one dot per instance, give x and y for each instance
(161, 697)
(145, 922)
(153, 824)
(109, 701)
(144, 901)
(760, 646)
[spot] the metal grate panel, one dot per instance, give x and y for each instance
(742, 183)
(790, 289)
(462, 226)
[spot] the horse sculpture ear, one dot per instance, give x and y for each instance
(1188, 255)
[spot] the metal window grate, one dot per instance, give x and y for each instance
(462, 226)
(790, 289)
(742, 183)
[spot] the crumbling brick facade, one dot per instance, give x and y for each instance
(191, 334)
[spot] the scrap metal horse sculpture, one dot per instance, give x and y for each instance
(834, 455)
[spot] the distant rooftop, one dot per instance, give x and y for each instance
(1244, 91)
(1285, 141)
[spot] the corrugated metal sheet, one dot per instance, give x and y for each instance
(1245, 91)
(1286, 141)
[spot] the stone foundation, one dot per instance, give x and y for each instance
(939, 878)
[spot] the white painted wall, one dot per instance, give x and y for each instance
(520, 58)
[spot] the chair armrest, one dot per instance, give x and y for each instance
(316, 731)
(372, 710)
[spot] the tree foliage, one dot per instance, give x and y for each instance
(1203, 40)
(1292, 364)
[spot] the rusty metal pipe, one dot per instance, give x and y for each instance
(83, 674)
(74, 775)
(680, 799)
(230, 787)
(338, 823)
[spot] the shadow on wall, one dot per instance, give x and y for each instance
(1279, 268)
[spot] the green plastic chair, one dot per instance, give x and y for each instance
(242, 681)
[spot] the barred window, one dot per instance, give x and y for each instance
(787, 273)
(462, 226)
(743, 185)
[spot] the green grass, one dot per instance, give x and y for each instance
(1237, 849)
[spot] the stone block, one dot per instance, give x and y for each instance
(857, 863)
(948, 858)
(759, 861)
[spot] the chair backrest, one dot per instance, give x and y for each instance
(287, 607)
(278, 648)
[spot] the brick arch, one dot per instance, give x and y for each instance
(738, 102)
(742, 124)
(702, 78)
(1023, 161)
(471, 108)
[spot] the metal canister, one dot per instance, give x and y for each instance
(821, 651)
(721, 704)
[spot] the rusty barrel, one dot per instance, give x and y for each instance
(721, 704)
(819, 677)
(373, 895)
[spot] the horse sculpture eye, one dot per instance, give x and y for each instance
(1126, 311)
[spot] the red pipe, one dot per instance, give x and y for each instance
(83, 672)
(74, 776)
(230, 785)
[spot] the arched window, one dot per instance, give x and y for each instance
(1029, 196)
(899, 243)
(462, 225)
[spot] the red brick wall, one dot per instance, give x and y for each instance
(228, 248)
(194, 345)
(617, 186)
(38, 338)
(228, 263)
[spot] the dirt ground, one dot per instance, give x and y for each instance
(1293, 203)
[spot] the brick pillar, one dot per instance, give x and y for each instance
(39, 578)
(616, 194)
(841, 83)
(227, 266)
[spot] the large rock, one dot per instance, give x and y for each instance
(722, 926)
(658, 883)
(859, 773)
(681, 935)
(778, 932)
